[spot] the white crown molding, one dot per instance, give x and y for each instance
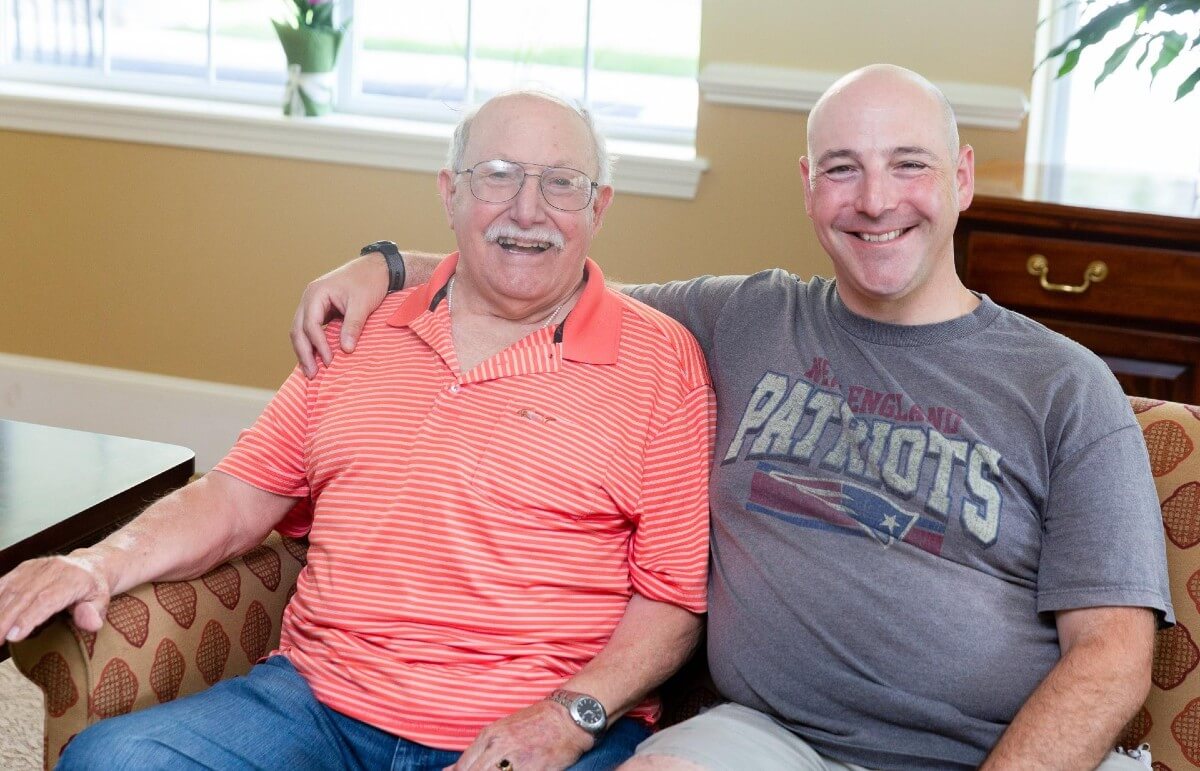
(976, 105)
(664, 171)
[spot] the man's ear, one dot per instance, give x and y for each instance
(804, 169)
(964, 176)
(604, 197)
(446, 189)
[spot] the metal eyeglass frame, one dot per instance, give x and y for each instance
(592, 185)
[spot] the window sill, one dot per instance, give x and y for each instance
(642, 168)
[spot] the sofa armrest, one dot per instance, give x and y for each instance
(1170, 719)
(161, 641)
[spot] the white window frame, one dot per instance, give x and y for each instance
(104, 78)
(1049, 97)
(1049, 120)
(234, 117)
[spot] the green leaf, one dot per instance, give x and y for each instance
(1070, 59)
(1176, 7)
(1186, 86)
(1095, 30)
(1146, 51)
(1154, 7)
(323, 15)
(1056, 50)
(1118, 56)
(1172, 44)
(1106, 21)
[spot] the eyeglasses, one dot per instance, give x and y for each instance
(499, 181)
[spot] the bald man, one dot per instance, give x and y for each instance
(936, 541)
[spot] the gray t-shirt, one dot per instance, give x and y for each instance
(898, 510)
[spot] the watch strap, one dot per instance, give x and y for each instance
(569, 700)
(563, 697)
(393, 258)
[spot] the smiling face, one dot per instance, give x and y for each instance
(522, 256)
(885, 182)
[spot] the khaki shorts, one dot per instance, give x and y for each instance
(731, 737)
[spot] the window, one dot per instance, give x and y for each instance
(633, 62)
(1128, 132)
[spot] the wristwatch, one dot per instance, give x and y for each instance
(393, 258)
(586, 711)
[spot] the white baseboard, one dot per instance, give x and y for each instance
(205, 417)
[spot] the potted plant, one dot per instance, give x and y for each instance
(311, 42)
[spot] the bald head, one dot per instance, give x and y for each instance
(595, 140)
(885, 180)
(885, 87)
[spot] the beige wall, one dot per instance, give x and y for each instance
(189, 263)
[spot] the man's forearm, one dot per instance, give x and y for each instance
(181, 536)
(419, 267)
(651, 642)
(1072, 719)
(187, 533)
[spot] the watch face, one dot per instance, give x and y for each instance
(589, 712)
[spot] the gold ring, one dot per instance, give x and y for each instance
(505, 765)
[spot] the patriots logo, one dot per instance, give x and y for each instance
(834, 505)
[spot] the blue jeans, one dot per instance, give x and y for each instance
(270, 719)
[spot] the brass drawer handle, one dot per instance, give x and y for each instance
(1039, 266)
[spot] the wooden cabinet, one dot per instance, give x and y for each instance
(1126, 284)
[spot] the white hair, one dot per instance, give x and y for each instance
(462, 133)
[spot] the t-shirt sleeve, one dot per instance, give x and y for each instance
(1103, 538)
(668, 559)
(270, 455)
(696, 303)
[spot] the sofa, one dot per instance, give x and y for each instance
(162, 640)
(168, 639)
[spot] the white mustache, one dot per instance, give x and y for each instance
(507, 230)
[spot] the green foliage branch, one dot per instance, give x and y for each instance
(1171, 43)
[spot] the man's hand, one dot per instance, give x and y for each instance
(538, 738)
(36, 590)
(179, 537)
(351, 291)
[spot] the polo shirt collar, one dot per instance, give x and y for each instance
(590, 333)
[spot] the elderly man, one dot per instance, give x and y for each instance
(508, 519)
(935, 539)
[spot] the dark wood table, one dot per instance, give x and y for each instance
(61, 489)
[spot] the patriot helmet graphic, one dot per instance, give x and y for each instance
(829, 504)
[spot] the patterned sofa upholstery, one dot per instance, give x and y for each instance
(1170, 720)
(165, 640)
(162, 640)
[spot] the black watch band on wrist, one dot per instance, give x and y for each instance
(393, 258)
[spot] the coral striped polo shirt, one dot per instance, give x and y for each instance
(475, 536)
